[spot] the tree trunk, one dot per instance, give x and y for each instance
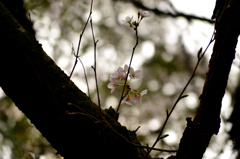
(206, 123)
(70, 121)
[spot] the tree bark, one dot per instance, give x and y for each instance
(206, 123)
(37, 85)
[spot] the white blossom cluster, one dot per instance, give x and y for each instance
(134, 24)
(119, 77)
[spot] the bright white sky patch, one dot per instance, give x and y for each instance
(226, 109)
(6, 152)
(112, 101)
(192, 100)
(200, 8)
(153, 85)
(96, 16)
(147, 49)
(168, 89)
(1, 92)
(172, 138)
(154, 124)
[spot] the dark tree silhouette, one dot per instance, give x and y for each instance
(72, 123)
(36, 85)
(206, 123)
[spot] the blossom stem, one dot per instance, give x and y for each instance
(129, 66)
(95, 66)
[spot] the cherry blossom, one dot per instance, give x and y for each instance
(135, 74)
(127, 19)
(123, 72)
(138, 96)
(127, 101)
(118, 78)
(115, 77)
(143, 13)
(112, 86)
(134, 24)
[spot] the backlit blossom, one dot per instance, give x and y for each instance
(118, 78)
(138, 96)
(112, 86)
(127, 19)
(135, 74)
(127, 101)
(123, 72)
(143, 13)
(135, 23)
(115, 77)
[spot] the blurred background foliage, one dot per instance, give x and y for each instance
(167, 52)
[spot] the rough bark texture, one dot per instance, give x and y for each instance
(206, 123)
(36, 85)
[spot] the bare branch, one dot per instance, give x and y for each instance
(156, 11)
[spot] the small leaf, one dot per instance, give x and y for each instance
(164, 136)
(183, 96)
(199, 53)
(167, 112)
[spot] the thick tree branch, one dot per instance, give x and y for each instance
(176, 13)
(206, 123)
(35, 83)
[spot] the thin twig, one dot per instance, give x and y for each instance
(141, 146)
(77, 54)
(200, 56)
(122, 95)
(94, 119)
(85, 75)
(95, 65)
